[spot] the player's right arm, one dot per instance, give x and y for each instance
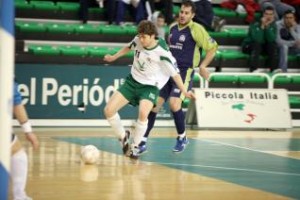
(120, 53)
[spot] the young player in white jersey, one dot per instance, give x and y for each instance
(153, 65)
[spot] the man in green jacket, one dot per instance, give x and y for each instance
(261, 40)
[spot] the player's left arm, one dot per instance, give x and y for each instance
(208, 44)
(210, 54)
(22, 117)
(188, 94)
(20, 113)
(171, 68)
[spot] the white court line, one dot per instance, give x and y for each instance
(231, 145)
(228, 168)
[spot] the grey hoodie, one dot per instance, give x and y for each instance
(287, 36)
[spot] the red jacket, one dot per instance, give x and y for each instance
(291, 2)
(250, 6)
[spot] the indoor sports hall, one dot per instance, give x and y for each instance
(243, 127)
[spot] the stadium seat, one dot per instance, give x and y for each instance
(113, 30)
(185, 103)
(294, 101)
(43, 50)
(68, 6)
(23, 5)
(87, 29)
(101, 51)
(224, 81)
(222, 12)
(237, 32)
(131, 30)
(253, 81)
(233, 59)
(73, 51)
(196, 80)
(60, 28)
(44, 5)
(33, 27)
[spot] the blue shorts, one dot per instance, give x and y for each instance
(17, 95)
(171, 89)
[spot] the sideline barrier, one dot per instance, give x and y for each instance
(254, 82)
(291, 82)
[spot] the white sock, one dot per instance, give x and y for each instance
(182, 135)
(140, 130)
(144, 139)
(19, 169)
(116, 125)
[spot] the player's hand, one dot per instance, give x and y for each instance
(109, 58)
(190, 95)
(31, 137)
(203, 71)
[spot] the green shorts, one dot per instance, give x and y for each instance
(134, 91)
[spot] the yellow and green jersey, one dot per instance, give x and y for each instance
(186, 42)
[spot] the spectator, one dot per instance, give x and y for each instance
(136, 8)
(109, 5)
(288, 38)
(19, 160)
(296, 5)
(159, 20)
(205, 16)
(261, 39)
(280, 8)
(154, 5)
(250, 7)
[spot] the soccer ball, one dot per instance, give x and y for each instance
(89, 154)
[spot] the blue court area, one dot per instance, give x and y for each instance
(241, 161)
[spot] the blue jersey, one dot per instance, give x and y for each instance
(186, 42)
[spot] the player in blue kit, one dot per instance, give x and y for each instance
(19, 161)
(186, 41)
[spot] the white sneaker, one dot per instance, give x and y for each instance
(276, 71)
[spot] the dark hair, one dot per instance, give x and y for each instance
(269, 8)
(147, 27)
(289, 12)
(160, 15)
(188, 3)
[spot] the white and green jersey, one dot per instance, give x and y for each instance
(152, 66)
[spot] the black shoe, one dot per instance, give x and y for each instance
(125, 143)
(134, 153)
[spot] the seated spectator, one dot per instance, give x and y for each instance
(159, 20)
(250, 7)
(109, 6)
(84, 9)
(280, 7)
(288, 38)
(155, 5)
(205, 16)
(261, 40)
(296, 5)
(136, 8)
(109, 9)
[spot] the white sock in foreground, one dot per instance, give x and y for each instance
(19, 169)
(140, 129)
(116, 125)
